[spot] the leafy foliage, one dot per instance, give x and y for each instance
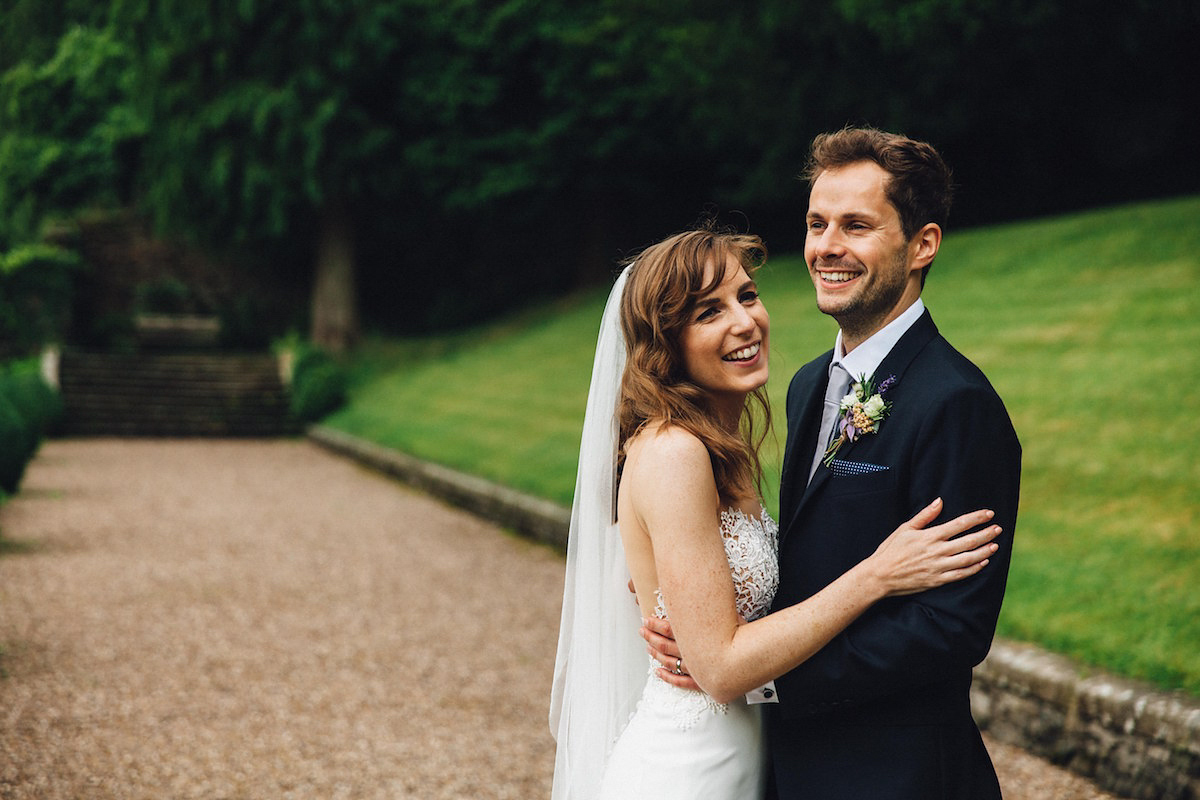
(531, 143)
(262, 111)
(68, 135)
(32, 28)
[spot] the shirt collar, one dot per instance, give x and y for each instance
(865, 358)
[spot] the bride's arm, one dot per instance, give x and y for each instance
(675, 499)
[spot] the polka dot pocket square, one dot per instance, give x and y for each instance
(844, 468)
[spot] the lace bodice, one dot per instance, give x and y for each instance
(751, 546)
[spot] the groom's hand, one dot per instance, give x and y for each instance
(661, 645)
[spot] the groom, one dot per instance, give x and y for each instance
(883, 710)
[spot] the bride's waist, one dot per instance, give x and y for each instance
(685, 706)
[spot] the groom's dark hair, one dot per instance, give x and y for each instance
(920, 188)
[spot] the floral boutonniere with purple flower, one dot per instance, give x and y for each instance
(863, 410)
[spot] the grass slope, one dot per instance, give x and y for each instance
(1088, 325)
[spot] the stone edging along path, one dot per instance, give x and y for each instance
(1129, 738)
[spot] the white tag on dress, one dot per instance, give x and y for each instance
(763, 694)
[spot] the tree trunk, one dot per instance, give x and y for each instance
(335, 323)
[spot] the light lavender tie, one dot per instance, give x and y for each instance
(839, 384)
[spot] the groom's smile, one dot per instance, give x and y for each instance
(837, 273)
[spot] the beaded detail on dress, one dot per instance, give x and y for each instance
(751, 547)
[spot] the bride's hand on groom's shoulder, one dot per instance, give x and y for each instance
(915, 557)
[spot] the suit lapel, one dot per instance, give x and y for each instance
(910, 345)
(895, 363)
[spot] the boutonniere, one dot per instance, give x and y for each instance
(863, 410)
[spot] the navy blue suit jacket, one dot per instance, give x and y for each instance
(883, 711)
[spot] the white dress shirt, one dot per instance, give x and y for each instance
(865, 359)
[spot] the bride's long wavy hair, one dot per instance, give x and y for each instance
(662, 289)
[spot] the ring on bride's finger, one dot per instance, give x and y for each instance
(679, 666)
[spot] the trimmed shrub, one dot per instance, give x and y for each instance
(14, 445)
(318, 383)
(34, 399)
(29, 409)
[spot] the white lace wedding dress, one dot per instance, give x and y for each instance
(681, 743)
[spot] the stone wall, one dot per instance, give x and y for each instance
(1129, 738)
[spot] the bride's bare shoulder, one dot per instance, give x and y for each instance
(667, 481)
(661, 449)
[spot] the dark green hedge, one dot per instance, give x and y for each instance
(29, 410)
(318, 383)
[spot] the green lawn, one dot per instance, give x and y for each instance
(1088, 325)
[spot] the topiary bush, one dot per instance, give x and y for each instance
(37, 401)
(14, 446)
(29, 410)
(319, 383)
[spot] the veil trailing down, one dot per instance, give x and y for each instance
(601, 663)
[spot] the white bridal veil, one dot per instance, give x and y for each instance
(601, 663)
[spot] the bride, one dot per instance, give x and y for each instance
(666, 495)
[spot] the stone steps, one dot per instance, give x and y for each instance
(173, 394)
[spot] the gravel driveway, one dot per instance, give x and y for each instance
(261, 619)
